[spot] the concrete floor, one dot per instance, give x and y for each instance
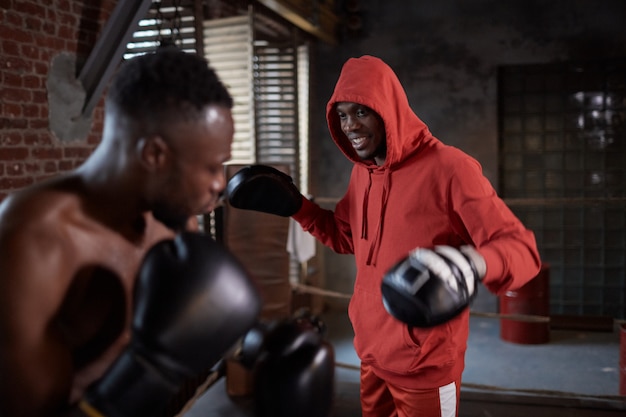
(574, 374)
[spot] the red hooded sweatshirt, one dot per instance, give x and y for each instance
(425, 194)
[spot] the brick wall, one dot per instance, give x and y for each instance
(32, 33)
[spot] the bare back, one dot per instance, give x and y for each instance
(65, 292)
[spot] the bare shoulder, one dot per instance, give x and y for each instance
(39, 204)
(32, 231)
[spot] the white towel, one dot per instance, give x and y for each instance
(300, 244)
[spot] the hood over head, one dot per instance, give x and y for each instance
(371, 82)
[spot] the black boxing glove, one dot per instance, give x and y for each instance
(193, 302)
(431, 286)
(293, 368)
(265, 189)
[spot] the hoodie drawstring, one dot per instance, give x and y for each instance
(375, 245)
(366, 197)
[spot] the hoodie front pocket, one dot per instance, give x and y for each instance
(380, 339)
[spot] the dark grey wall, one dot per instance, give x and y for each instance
(447, 53)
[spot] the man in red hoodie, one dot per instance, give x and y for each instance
(408, 190)
(423, 224)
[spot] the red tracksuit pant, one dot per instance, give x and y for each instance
(379, 398)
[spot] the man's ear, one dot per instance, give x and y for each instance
(153, 152)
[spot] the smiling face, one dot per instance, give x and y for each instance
(192, 179)
(365, 130)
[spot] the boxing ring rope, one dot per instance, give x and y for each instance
(518, 317)
(308, 289)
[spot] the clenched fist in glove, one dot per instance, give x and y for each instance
(265, 189)
(193, 301)
(431, 286)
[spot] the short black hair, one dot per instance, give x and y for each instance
(164, 84)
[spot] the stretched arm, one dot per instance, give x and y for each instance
(329, 227)
(484, 220)
(266, 189)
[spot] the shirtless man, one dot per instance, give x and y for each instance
(70, 248)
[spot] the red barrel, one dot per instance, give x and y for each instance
(622, 360)
(531, 299)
